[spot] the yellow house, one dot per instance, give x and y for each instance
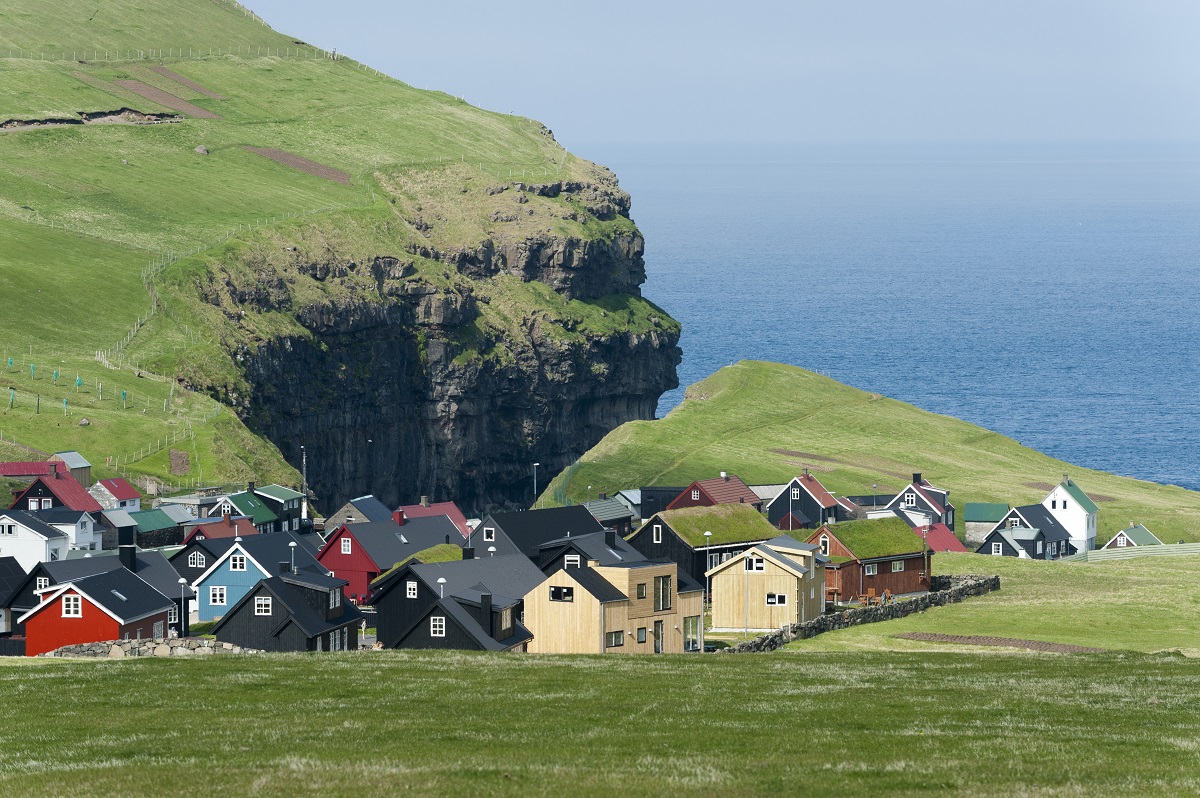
(630, 608)
(771, 584)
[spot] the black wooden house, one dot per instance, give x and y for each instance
(296, 611)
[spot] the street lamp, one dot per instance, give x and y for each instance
(491, 551)
(874, 490)
(292, 547)
(535, 493)
(441, 583)
(707, 580)
(182, 607)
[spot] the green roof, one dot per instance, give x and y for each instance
(729, 523)
(442, 552)
(1078, 495)
(250, 505)
(279, 493)
(152, 520)
(884, 537)
(984, 512)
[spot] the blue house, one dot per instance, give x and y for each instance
(244, 564)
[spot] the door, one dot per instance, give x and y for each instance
(658, 637)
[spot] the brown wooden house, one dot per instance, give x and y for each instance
(869, 557)
(725, 489)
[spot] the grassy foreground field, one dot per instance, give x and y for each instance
(767, 421)
(456, 724)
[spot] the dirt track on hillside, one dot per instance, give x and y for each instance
(1003, 642)
(165, 98)
(303, 164)
(182, 81)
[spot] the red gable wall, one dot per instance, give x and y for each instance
(357, 567)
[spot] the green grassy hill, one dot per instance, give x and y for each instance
(94, 215)
(765, 422)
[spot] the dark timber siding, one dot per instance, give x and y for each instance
(396, 613)
(455, 637)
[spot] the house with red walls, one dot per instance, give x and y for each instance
(114, 605)
(361, 552)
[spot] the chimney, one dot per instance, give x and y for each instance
(53, 469)
(917, 478)
(127, 548)
(610, 538)
(284, 567)
(1131, 524)
(227, 518)
(398, 517)
(424, 501)
(250, 487)
(1066, 479)
(725, 476)
(485, 611)
(603, 496)
(468, 552)
(806, 471)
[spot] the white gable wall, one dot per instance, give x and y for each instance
(1080, 524)
(28, 547)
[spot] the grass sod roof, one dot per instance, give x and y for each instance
(729, 523)
(443, 552)
(882, 537)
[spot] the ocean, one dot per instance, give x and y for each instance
(1047, 292)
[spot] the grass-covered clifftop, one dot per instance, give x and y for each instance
(267, 194)
(766, 421)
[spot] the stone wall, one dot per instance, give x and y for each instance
(946, 590)
(147, 647)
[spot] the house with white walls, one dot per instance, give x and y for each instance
(1072, 508)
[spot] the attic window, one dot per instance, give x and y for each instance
(910, 500)
(695, 495)
(795, 494)
(335, 598)
(658, 533)
(195, 560)
(489, 533)
(754, 564)
(43, 582)
(237, 562)
(1122, 540)
(346, 545)
(262, 605)
(410, 588)
(1013, 523)
(1054, 504)
(72, 606)
(562, 593)
(437, 626)
(825, 545)
(571, 561)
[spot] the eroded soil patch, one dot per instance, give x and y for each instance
(121, 116)
(182, 81)
(1003, 642)
(303, 164)
(161, 97)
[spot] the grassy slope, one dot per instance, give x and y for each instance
(435, 724)
(91, 206)
(765, 422)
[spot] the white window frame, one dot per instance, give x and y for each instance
(1014, 523)
(910, 499)
(1041, 546)
(196, 560)
(72, 605)
(795, 494)
(347, 545)
(571, 561)
(335, 598)
(34, 505)
(825, 545)
(42, 582)
(489, 534)
(47, 503)
(1122, 541)
(897, 566)
(870, 569)
(237, 562)
(657, 530)
(756, 564)
(173, 614)
(263, 605)
(997, 548)
(437, 626)
(695, 494)
(410, 589)
(213, 592)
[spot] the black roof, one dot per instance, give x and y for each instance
(529, 529)
(1041, 518)
(33, 522)
(59, 515)
(273, 548)
(507, 575)
(287, 590)
(12, 576)
(389, 543)
(593, 547)
(600, 588)
(151, 566)
(123, 594)
(370, 509)
(466, 621)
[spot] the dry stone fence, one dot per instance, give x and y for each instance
(946, 590)
(151, 647)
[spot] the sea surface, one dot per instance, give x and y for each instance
(1048, 292)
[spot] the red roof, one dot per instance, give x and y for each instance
(940, 538)
(449, 509)
(66, 489)
(726, 490)
(817, 490)
(121, 489)
(39, 468)
(220, 528)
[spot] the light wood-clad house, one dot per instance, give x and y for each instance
(632, 608)
(768, 586)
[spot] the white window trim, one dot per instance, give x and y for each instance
(235, 560)
(72, 606)
(657, 533)
(410, 589)
(489, 534)
(437, 626)
(756, 564)
(213, 592)
(695, 495)
(42, 583)
(347, 546)
(897, 566)
(571, 561)
(870, 569)
(173, 614)
(997, 548)
(196, 560)
(263, 605)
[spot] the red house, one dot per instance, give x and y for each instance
(725, 489)
(115, 605)
(57, 489)
(359, 553)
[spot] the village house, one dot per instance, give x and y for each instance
(158, 527)
(605, 548)
(80, 528)
(227, 526)
(359, 553)
(521, 532)
(611, 514)
(425, 509)
(1072, 508)
(769, 585)
(922, 504)
(632, 499)
(57, 489)
(868, 557)
(30, 539)
(76, 463)
(289, 507)
(725, 489)
(295, 611)
(1029, 531)
(113, 605)
(678, 536)
(12, 576)
(243, 564)
(980, 519)
(358, 511)
(1132, 536)
(655, 498)
(630, 608)
(249, 504)
(116, 494)
(805, 504)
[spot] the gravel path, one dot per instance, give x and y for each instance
(1005, 642)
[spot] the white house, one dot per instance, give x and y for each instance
(1071, 507)
(116, 494)
(79, 527)
(30, 540)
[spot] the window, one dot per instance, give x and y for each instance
(334, 641)
(897, 566)
(347, 545)
(825, 545)
(410, 588)
(658, 533)
(159, 629)
(1064, 504)
(795, 494)
(614, 639)
(34, 504)
(1013, 523)
(319, 641)
(43, 582)
(812, 592)
(173, 615)
(72, 606)
(695, 495)
(1121, 540)
(691, 633)
(662, 593)
(776, 599)
(641, 634)
(1040, 546)
(571, 561)
(910, 500)
(1053, 504)
(506, 618)
(237, 562)
(641, 590)
(196, 560)
(335, 598)
(262, 605)
(871, 569)
(1054, 547)
(714, 559)
(997, 548)
(562, 593)
(489, 533)
(54, 554)
(6, 529)
(437, 626)
(216, 595)
(754, 564)
(47, 504)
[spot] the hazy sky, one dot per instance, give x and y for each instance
(835, 70)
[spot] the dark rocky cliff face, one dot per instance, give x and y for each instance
(388, 398)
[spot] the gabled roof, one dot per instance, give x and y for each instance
(815, 489)
(118, 518)
(448, 509)
(729, 523)
(265, 551)
(218, 528)
(153, 520)
(12, 576)
(387, 543)
(768, 493)
(248, 504)
(596, 585)
(728, 489)
(66, 489)
(631, 495)
(33, 523)
(594, 547)
(119, 593)
(120, 489)
(466, 621)
(984, 512)
(785, 542)
(1007, 537)
(279, 493)
(873, 539)
(36, 468)
(60, 515)
(940, 538)
(608, 510)
(370, 509)
(150, 566)
(1038, 517)
(72, 459)
(528, 529)
(1137, 535)
(1079, 496)
(507, 575)
(927, 497)
(769, 552)
(177, 513)
(289, 592)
